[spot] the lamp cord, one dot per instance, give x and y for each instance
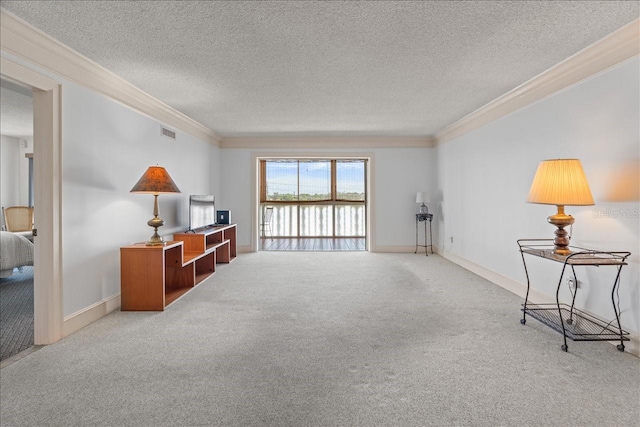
(605, 327)
(617, 302)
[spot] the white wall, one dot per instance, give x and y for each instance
(485, 175)
(216, 180)
(397, 175)
(106, 149)
(14, 167)
(9, 171)
(14, 170)
(26, 147)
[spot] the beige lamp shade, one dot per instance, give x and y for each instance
(422, 197)
(156, 180)
(560, 182)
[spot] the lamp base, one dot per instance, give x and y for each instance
(156, 240)
(562, 239)
(424, 209)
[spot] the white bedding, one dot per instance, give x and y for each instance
(15, 251)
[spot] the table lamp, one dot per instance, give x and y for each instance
(423, 198)
(155, 180)
(560, 182)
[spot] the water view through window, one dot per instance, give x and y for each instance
(314, 198)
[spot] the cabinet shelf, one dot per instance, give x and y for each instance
(172, 295)
(152, 277)
(212, 246)
(202, 276)
(190, 257)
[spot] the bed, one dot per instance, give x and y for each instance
(15, 251)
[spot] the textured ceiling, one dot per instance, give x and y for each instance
(326, 68)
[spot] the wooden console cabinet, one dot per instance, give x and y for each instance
(152, 277)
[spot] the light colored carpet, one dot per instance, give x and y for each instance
(325, 339)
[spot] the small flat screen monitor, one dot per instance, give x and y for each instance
(202, 211)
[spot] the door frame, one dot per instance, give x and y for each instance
(47, 153)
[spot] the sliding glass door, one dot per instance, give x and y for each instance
(314, 197)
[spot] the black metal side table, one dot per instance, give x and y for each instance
(568, 320)
(424, 217)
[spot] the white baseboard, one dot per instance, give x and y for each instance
(632, 346)
(401, 249)
(78, 320)
(244, 249)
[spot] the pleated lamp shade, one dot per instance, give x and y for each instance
(560, 182)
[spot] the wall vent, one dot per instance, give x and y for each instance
(168, 133)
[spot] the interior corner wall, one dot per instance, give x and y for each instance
(106, 147)
(14, 168)
(398, 173)
(9, 171)
(26, 147)
(484, 178)
(215, 182)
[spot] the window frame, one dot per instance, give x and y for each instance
(333, 186)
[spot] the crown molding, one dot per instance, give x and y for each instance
(332, 142)
(613, 49)
(10, 69)
(23, 40)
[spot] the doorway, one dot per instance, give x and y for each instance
(16, 195)
(47, 272)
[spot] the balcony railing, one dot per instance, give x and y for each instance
(322, 220)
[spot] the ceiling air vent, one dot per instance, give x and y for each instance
(168, 133)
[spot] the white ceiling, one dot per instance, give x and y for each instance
(273, 68)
